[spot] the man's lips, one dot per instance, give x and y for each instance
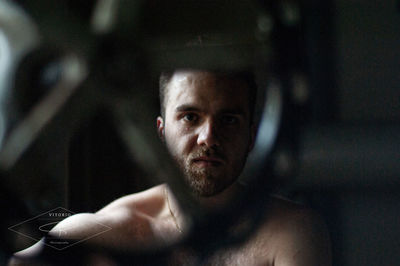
(208, 160)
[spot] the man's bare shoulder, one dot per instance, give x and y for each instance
(124, 222)
(148, 201)
(280, 209)
(295, 234)
(127, 216)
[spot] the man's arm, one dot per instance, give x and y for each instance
(128, 226)
(303, 240)
(32, 252)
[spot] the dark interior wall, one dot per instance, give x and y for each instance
(367, 66)
(100, 166)
(350, 149)
(370, 228)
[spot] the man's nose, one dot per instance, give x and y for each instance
(208, 134)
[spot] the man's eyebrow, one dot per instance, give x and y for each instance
(186, 108)
(234, 111)
(193, 108)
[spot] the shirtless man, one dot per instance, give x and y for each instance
(206, 124)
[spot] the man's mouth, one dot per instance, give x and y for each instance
(207, 161)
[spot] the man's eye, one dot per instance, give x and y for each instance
(229, 120)
(190, 117)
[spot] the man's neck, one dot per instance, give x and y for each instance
(222, 199)
(214, 203)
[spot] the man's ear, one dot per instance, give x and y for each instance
(160, 127)
(253, 135)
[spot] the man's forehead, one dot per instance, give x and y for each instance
(199, 91)
(207, 79)
(186, 77)
(180, 76)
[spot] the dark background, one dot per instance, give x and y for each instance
(344, 138)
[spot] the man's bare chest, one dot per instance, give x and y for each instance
(247, 253)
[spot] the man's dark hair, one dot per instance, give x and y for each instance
(165, 78)
(246, 76)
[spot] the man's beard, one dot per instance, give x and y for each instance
(209, 181)
(202, 181)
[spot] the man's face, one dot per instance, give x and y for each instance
(207, 128)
